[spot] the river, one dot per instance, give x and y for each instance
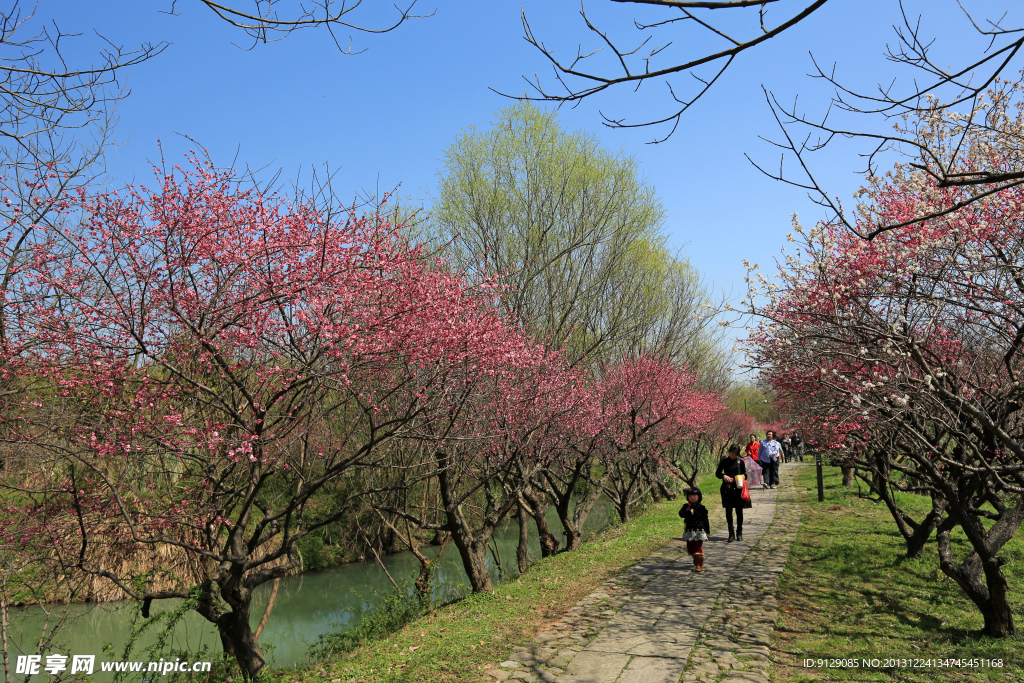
(307, 605)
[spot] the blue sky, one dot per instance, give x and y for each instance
(385, 117)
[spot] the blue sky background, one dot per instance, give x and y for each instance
(384, 117)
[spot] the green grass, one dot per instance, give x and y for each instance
(459, 641)
(849, 591)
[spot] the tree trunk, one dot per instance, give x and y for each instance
(474, 559)
(917, 540)
(548, 541)
(240, 642)
(472, 548)
(573, 535)
(666, 493)
(847, 475)
(984, 584)
(914, 534)
(522, 550)
(623, 509)
(574, 527)
(997, 613)
(659, 491)
(422, 582)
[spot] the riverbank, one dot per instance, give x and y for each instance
(460, 641)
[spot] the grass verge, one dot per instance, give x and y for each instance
(459, 641)
(850, 593)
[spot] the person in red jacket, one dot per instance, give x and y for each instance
(751, 447)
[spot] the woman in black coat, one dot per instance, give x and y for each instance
(729, 468)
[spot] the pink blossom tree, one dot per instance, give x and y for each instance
(653, 404)
(905, 352)
(214, 359)
(483, 454)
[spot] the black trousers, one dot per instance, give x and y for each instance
(739, 520)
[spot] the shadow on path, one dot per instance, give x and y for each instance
(660, 622)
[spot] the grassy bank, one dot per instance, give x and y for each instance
(850, 592)
(458, 641)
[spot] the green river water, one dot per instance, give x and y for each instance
(307, 606)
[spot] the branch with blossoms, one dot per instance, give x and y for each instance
(905, 352)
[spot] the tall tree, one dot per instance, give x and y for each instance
(575, 231)
(905, 351)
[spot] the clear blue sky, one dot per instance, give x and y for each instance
(385, 116)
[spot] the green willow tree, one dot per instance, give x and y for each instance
(576, 233)
(563, 220)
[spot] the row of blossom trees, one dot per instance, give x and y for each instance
(189, 371)
(906, 353)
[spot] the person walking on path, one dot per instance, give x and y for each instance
(697, 526)
(769, 452)
(798, 446)
(754, 473)
(752, 446)
(730, 468)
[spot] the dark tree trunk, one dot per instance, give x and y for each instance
(574, 525)
(847, 475)
(236, 636)
(573, 535)
(917, 540)
(474, 559)
(655, 491)
(548, 541)
(522, 550)
(622, 507)
(239, 642)
(422, 582)
(914, 534)
(659, 491)
(984, 584)
(623, 491)
(666, 493)
(472, 545)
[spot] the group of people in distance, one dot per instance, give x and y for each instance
(759, 466)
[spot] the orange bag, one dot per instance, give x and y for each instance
(745, 492)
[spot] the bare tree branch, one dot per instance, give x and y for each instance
(577, 80)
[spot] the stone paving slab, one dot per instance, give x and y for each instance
(660, 622)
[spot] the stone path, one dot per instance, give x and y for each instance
(660, 622)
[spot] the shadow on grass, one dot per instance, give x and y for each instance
(850, 587)
(924, 621)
